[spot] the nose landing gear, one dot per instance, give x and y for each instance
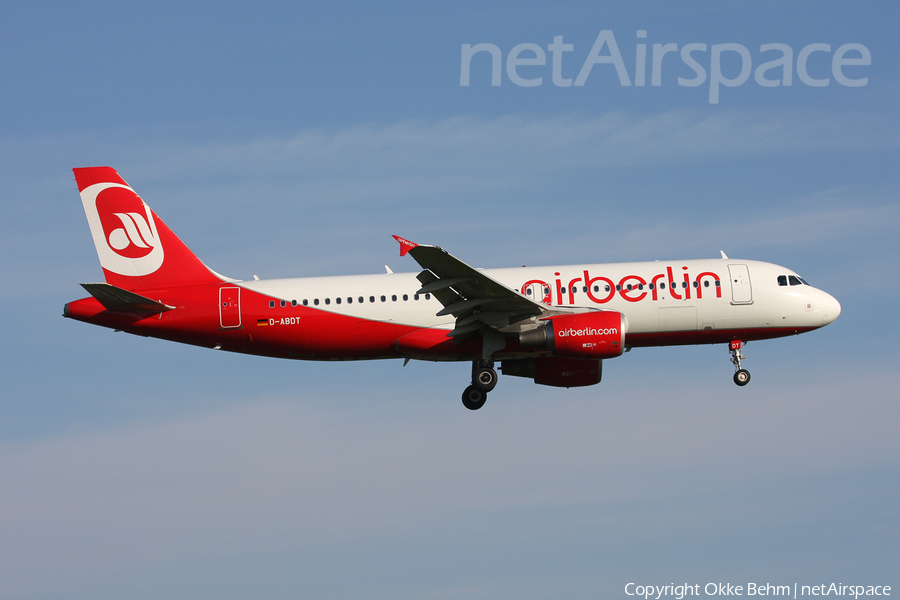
(484, 379)
(741, 375)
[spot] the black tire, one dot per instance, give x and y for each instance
(742, 377)
(473, 398)
(485, 379)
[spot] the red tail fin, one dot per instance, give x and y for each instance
(137, 250)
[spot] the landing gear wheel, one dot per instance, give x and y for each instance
(742, 377)
(473, 398)
(485, 379)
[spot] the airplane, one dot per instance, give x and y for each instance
(555, 325)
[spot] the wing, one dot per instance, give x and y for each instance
(476, 300)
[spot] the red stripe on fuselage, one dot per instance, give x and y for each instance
(291, 331)
(302, 332)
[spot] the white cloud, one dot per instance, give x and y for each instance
(467, 152)
(457, 154)
(467, 174)
(826, 218)
(274, 475)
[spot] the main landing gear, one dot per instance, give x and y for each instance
(741, 375)
(484, 379)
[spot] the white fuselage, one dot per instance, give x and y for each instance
(656, 297)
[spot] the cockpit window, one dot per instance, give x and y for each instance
(791, 280)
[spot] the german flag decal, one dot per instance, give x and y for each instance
(262, 322)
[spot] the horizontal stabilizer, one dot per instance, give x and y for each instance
(119, 300)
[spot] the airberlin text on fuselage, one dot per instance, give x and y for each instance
(632, 288)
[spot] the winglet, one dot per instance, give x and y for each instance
(405, 245)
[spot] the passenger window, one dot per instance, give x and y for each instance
(394, 298)
(405, 297)
(428, 296)
(371, 298)
(327, 300)
(305, 302)
(316, 301)
(383, 299)
(283, 304)
(271, 304)
(293, 303)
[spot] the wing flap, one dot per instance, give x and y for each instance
(441, 284)
(445, 295)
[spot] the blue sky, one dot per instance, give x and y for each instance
(292, 139)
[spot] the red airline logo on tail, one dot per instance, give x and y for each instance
(123, 228)
(130, 237)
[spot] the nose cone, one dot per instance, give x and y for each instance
(832, 309)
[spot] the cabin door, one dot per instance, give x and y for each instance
(741, 293)
(229, 307)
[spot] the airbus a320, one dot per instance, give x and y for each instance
(555, 325)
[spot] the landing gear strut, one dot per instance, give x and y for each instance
(484, 379)
(741, 375)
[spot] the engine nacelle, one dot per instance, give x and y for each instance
(598, 334)
(558, 372)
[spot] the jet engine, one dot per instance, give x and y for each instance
(597, 334)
